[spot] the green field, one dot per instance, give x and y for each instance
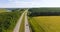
(41, 19)
(45, 23)
(3, 10)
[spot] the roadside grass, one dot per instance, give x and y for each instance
(45, 23)
(22, 24)
(8, 20)
(13, 22)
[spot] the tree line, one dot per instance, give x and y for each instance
(44, 12)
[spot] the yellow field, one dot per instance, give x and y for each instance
(47, 23)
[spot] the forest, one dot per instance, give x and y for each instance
(44, 11)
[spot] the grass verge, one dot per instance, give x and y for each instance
(22, 25)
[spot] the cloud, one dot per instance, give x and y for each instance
(50, 3)
(20, 4)
(16, 5)
(30, 3)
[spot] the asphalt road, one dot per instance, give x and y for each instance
(17, 27)
(26, 23)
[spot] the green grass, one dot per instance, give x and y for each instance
(45, 23)
(22, 25)
(3, 10)
(14, 23)
(8, 20)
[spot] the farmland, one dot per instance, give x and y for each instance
(45, 23)
(40, 20)
(44, 19)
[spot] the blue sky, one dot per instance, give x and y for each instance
(29, 3)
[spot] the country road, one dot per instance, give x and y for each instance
(26, 23)
(17, 27)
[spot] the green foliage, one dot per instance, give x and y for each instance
(8, 20)
(44, 9)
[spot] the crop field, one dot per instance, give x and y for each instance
(44, 19)
(45, 23)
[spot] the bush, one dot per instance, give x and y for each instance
(8, 19)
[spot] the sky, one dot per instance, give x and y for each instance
(29, 3)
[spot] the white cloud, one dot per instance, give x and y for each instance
(50, 3)
(33, 3)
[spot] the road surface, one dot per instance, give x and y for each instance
(17, 27)
(26, 23)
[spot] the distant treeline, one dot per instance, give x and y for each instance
(44, 12)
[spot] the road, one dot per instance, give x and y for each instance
(26, 23)
(17, 27)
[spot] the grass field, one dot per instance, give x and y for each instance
(45, 23)
(3, 10)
